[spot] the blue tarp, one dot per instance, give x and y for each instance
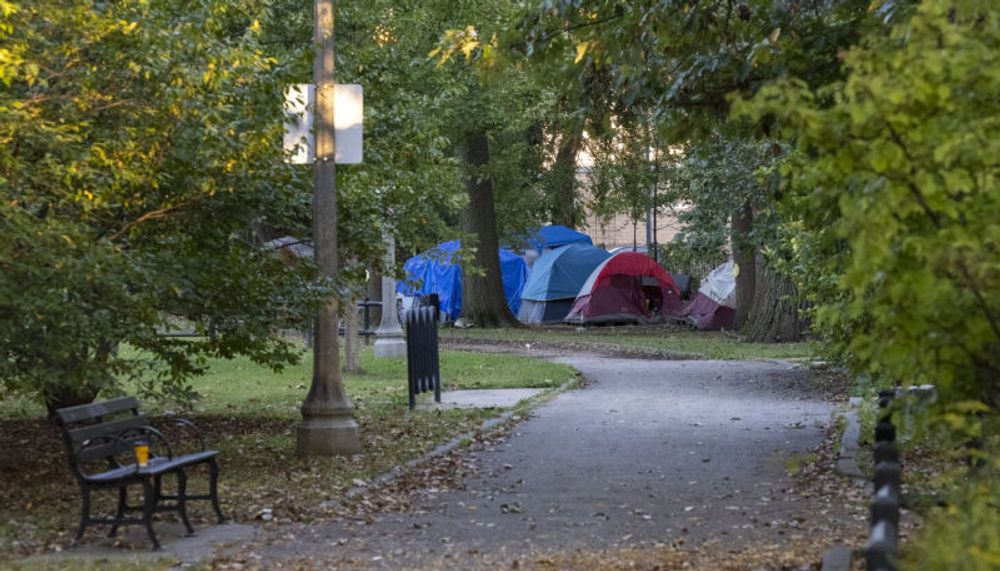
(555, 236)
(514, 273)
(434, 272)
(560, 273)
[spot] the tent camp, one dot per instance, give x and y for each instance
(555, 236)
(626, 288)
(713, 307)
(433, 272)
(556, 278)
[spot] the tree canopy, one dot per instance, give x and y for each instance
(138, 158)
(892, 188)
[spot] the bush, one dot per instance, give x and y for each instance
(965, 535)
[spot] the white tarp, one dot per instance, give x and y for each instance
(720, 285)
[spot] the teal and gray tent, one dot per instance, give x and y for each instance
(555, 280)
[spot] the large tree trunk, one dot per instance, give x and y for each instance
(562, 177)
(64, 395)
(745, 258)
(774, 317)
(69, 396)
(483, 301)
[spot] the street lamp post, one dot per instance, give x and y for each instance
(328, 427)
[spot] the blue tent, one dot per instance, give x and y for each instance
(434, 272)
(555, 236)
(555, 280)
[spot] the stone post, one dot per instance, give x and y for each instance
(389, 341)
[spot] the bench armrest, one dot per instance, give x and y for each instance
(156, 434)
(121, 445)
(188, 424)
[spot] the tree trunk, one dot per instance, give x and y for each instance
(73, 394)
(774, 317)
(69, 396)
(352, 345)
(562, 178)
(745, 258)
(483, 301)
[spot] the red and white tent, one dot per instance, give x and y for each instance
(628, 287)
(713, 308)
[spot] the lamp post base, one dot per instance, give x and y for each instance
(391, 347)
(328, 436)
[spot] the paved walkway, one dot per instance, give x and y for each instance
(480, 398)
(650, 451)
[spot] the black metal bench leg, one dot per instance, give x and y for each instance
(148, 507)
(213, 483)
(122, 497)
(84, 514)
(182, 501)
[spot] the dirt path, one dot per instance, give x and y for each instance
(650, 453)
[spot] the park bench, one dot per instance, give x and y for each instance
(100, 442)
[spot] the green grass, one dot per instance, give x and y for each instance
(796, 462)
(240, 386)
(249, 414)
(668, 341)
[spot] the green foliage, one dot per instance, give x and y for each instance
(893, 211)
(409, 178)
(142, 169)
(512, 105)
(962, 535)
(676, 65)
(623, 176)
(684, 256)
(681, 60)
(138, 156)
(709, 181)
(894, 185)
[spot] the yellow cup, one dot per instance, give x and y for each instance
(141, 454)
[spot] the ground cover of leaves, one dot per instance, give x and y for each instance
(248, 413)
(261, 477)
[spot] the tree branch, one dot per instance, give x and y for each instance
(914, 189)
(151, 215)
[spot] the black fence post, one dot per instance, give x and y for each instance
(882, 550)
(365, 307)
(367, 321)
(422, 361)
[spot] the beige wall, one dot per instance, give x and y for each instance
(618, 231)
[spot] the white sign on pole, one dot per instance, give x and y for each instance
(300, 99)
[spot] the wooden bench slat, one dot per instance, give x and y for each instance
(113, 427)
(90, 411)
(100, 451)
